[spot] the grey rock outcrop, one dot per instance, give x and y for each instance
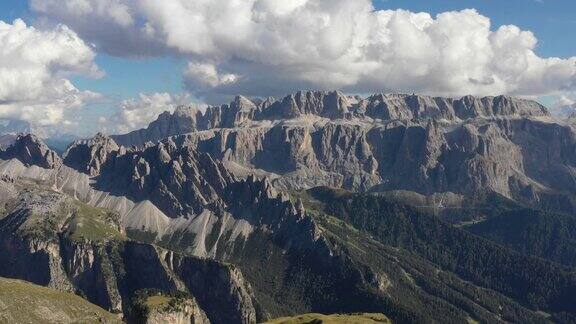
(182, 121)
(185, 312)
(471, 158)
(176, 178)
(89, 156)
(31, 151)
(469, 146)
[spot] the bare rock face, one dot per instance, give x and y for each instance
(89, 156)
(332, 105)
(188, 119)
(185, 311)
(267, 208)
(27, 239)
(470, 158)
(408, 107)
(217, 287)
(182, 121)
(31, 151)
(380, 142)
(176, 178)
(470, 146)
(228, 116)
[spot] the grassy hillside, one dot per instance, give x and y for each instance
(93, 224)
(332, 319)
(22, 302)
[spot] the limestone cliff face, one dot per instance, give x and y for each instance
(383, 142)
(517, 158)
(171, 194)
(222, 290)
(271, 210)
(182, 121)
(331, 105)
(407, 107)
(388, 141)
(470, 146)
(108, 270)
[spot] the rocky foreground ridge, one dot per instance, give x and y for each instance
(52, 240)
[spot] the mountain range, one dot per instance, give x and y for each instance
(425, 209)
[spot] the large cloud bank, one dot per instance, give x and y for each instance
(565, 106)
(138, 113)
(270, 47)
(34, 66)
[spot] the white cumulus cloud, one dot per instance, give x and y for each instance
(270, 47)
(564, 105)
(138, 112)
(34, 66)
(203, 77)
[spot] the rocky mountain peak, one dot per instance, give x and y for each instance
(30, 150)
(261, 187)
(329, 104)
(504, 105)
(243, 104)
(407, 107)
(182, 121)
(104, 140)
(240, 110)
(88, 156)
(183, 111)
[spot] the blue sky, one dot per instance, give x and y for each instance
(126, 78)
(551, 21)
